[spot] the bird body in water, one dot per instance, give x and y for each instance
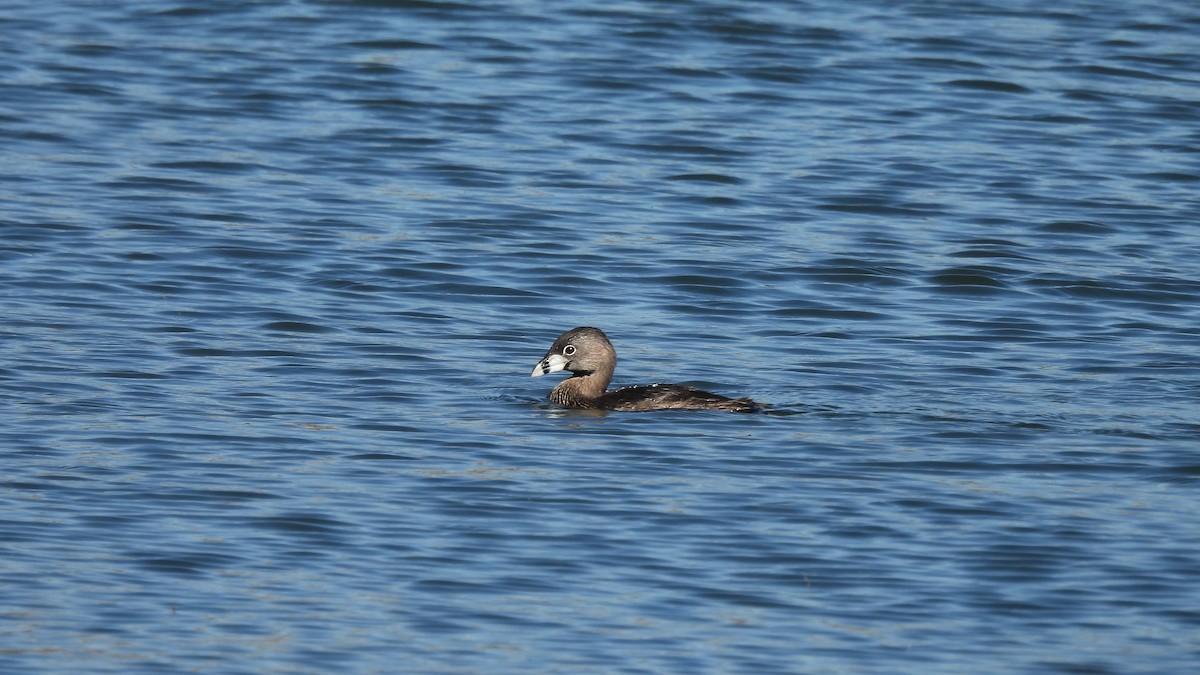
(587, 353)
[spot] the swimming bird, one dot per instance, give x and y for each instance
(589, 355)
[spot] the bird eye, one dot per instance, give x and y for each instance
(568, 350)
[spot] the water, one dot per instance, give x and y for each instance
(274, 276)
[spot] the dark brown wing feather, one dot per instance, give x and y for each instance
(670, 397)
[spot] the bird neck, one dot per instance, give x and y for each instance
(579, 390)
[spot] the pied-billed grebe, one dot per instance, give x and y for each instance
(590, 357)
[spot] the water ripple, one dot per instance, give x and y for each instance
(275, 274)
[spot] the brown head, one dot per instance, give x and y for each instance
(588, 355)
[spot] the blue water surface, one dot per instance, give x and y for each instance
(273, 276)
